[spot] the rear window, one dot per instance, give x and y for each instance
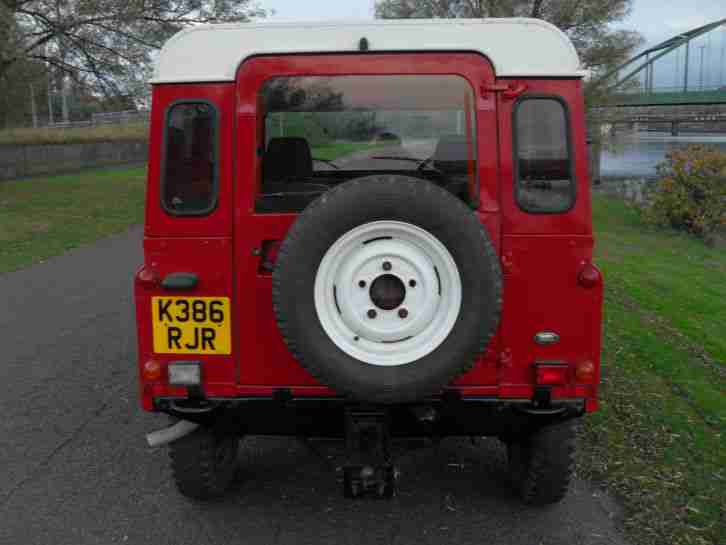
(319, 132)
(189, 171)
(543, 163)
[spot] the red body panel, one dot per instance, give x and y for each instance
(542, 254)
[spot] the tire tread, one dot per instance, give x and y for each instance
(548, 463)
(194, 465)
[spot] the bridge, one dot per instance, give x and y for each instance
(669, 96)
(670, 118)
(633, 82)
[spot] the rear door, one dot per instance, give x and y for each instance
(264, 361)
(546, 231)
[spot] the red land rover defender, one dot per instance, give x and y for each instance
(369, 230)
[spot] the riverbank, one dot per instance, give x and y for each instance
(636, 154)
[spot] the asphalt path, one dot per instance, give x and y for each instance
(75, 469)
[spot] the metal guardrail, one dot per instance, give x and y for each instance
(107, 118)
(129, 116)
(668, 97)
(672, 89)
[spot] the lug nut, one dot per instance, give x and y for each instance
(387, 266)
(402, 313)
(412, 283)
(372, 314)
(362, 283)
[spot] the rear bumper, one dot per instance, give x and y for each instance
(325, 416)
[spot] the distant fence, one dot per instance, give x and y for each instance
(109, 118)
(19, 161)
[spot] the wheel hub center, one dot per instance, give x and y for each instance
(387, 292)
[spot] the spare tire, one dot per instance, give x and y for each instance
(386, 288)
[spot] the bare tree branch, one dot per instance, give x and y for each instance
(105, 39)
(536, 9)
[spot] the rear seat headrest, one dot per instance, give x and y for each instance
(451, 154)
(287, 158)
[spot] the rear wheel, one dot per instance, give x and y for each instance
(541, 465)
(204, 463)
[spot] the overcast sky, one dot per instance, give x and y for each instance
(656, 20)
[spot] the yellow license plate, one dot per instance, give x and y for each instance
(191, 325)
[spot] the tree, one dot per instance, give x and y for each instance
(586, 22)
(105, 44)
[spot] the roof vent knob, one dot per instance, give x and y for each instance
(363, 44)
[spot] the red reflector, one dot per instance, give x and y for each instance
(147, 277)
(551, 375)
(585, 372)
(589, 276)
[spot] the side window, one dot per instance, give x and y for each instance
(189, 171)
(544, 180)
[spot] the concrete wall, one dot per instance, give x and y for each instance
(18, 161)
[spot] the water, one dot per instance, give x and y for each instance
(637, 154)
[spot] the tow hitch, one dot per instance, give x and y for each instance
(368, 469)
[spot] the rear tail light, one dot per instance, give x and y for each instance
(551, 375)
(585, 372)
(151, 370)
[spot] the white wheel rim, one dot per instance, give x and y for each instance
(431, 303)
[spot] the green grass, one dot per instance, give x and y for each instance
(659, 439)
(666, 272)
(42, 217)
(333, 151)
(105, 133)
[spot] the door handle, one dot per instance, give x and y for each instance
(180, 281)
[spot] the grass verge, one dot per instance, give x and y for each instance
(43, 217)
(45, 135)
(658, 441)
(337, 150)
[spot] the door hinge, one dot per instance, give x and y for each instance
(508, 91)
(507, 262)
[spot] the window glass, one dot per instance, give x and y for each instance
(189, 175)
(544, 181)
(322, 131)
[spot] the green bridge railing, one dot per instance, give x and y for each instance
(669, 98)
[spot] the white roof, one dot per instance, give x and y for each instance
(516, 47)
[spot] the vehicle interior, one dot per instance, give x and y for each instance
(321, 132)
(290, 180)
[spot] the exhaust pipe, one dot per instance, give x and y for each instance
(159, 438)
